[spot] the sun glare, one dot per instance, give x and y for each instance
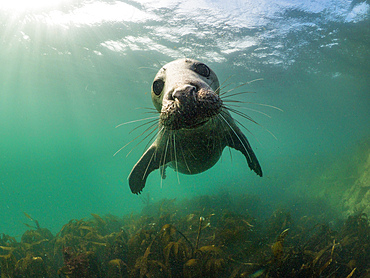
(34, 5)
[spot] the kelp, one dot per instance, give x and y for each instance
(207, 236)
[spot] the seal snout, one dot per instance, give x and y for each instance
(184, 93)
(189, 106)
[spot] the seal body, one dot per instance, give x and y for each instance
(194, 124)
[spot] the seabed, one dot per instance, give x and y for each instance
(208, 236)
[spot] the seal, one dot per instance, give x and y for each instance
(194, 124)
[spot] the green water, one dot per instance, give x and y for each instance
(69, 74)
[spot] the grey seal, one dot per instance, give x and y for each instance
(194, 124)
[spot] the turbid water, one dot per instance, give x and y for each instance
(73, 71)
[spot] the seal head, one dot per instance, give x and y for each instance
(186, 94)
(194, 124)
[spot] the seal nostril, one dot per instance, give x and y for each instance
(176, 94)
(183, 92)
(170, 95)
(193, 88)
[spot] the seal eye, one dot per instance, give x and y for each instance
(158, 86)
(202, 69)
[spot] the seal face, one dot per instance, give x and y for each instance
(194, 124)
(189, 107)
(185, 94)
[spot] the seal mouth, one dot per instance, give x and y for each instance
(190, 111)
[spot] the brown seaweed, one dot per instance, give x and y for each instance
(193, 238)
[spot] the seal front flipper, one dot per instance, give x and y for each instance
(149, 162)
(240, 142)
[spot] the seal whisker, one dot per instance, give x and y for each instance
(240, 114)
(149, 122)
(146, 108)
(155, 136)
(213, 133)
(249, 118)
(261, 104)
(183, 156)
(147, 166)
(174, 148)
(236, 134)
(159, 133)
(247, 108)
(152, 126)
(229, 141)
(236, 94)
(149, 110)
(191, 153)
(222, 86)
(234, 100)
(163, 160)
(250, 132)
(222, 121)
(241, 85)
(154, 120)
(135, 121)
(231, 154)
